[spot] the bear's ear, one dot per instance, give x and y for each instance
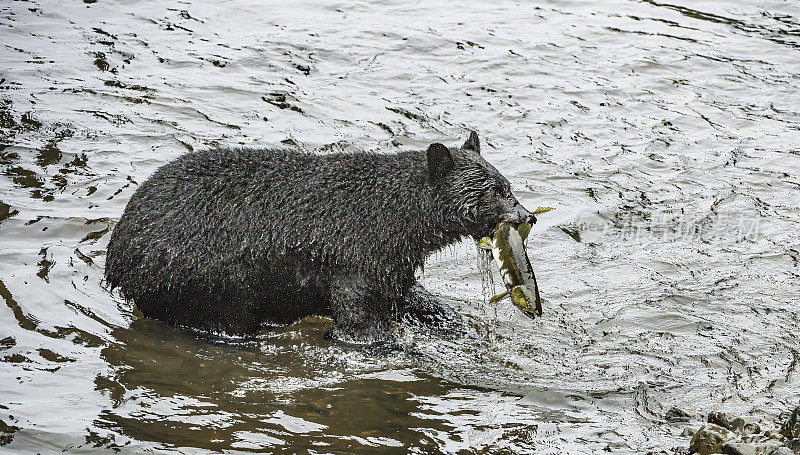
(440, 161)
(473, 143)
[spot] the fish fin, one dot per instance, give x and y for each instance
(541, 210)
(497, 298)
(485, 243)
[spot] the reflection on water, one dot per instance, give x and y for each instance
(667, 135)
(180, 389)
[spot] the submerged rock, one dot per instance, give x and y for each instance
(677, 415)
(709, 439)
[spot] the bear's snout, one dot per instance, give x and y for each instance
(518, 215)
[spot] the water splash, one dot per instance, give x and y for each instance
(484, 261)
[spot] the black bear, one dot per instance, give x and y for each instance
(229, 239)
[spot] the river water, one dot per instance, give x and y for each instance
(666, 135)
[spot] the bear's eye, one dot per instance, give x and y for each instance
(499, 191)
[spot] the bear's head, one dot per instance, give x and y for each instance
(478, 196)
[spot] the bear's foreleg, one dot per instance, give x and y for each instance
(422, 308)
(361, 311)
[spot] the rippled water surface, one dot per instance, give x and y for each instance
(667, 136)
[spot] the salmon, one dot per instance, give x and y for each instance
(508, 251)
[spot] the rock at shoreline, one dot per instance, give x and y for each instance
(767, 448)
(733, 423)
(722, 419)
(734, 435)
(709, 439)
(791, 428)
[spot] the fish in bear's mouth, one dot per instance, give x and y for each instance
(507, 246)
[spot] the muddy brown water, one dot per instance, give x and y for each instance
(666, 134)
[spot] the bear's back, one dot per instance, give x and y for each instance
(224, 211)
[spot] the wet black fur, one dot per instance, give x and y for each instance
(228, 239)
